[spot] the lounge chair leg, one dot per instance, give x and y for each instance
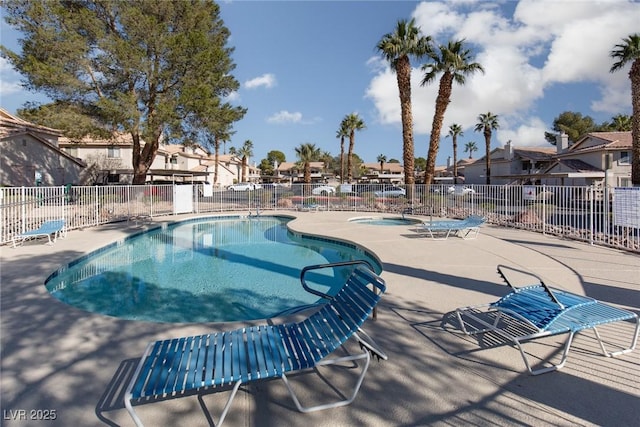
(634, 341)
(565, 354)
(228, 404)
(365, 355)
(138, 421)
(488, 328)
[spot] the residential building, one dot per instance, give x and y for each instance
(292, 172)
(597, 158)
(30, 155)
(511, 165)
(391, 173)
(110, 162)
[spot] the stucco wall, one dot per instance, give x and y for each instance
(22, 156)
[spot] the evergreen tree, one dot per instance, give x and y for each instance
(157, 70)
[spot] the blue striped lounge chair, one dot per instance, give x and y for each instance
(537, 311)
(467, 228)
(48, 228)
(226, 360)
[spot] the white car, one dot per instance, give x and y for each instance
(392, 191)
(323, 190)
(245, 186)
(461, 191)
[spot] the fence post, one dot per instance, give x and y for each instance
(23, 198)
(544, 210)
(129, 214)
(97, 206)
(507, 196)
(591, 216)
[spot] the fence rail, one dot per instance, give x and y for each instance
(601, 217)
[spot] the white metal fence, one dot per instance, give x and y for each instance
(580, 213)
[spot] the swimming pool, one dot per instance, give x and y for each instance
(385, 221)
(213, 269)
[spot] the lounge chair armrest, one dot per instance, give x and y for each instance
(330, 265)
(546, 288)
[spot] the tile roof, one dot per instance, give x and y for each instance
(10, 124)
(607, 140)
(579, 165)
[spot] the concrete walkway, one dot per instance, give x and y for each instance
(61, 362)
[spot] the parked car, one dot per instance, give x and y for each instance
(365, 188)
(460, 190)
(323, 190)
(245, 186)
(391, 191)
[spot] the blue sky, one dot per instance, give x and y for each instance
(304, 65)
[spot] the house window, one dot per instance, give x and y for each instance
(72, 151)
(24, 142)
(113, 152)
(624, 158)
(173, 160)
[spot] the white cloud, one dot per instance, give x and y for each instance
(285, 117)
(615, 96)
(233, 97)
(9, 79)
(545, 42)
(9, 88)
(267, 80)
(383, 92)
(435, 18)
(529, 133)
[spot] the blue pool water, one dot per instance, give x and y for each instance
(204, 270)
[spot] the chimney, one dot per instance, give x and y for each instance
(508, 151)
(562, 142)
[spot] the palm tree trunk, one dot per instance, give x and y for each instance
(455, 159)
(487, 145)
(634, 75)
(307, 173)
(403, 75)
(352, 137)
(442, 101)
(341, 159)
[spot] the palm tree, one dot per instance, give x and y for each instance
(621, 123)
(342, 133)
(246, 151)
(352, 123)
(470, 147)
(487, 122)
(455, 130)
(396, 48)
(454, 62)
(326, 158)
(629, 52)
(307, 153)
(222, 134)
(381, 159)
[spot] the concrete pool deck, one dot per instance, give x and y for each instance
(60, 361)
